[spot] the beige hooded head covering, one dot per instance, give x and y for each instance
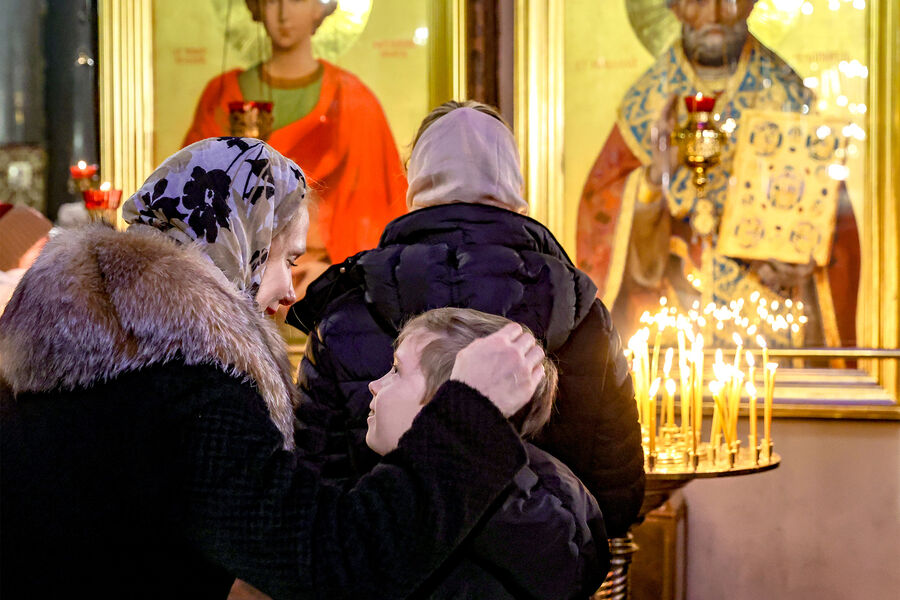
(466, 156)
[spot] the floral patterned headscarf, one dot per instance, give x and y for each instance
(229, 195)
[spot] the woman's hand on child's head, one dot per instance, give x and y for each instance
(504, 366)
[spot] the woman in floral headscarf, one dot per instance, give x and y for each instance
(147, 434)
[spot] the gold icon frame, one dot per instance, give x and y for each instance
(540, 129)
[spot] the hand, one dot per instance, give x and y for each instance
(664, 158)
(504, 366)
(779, 276)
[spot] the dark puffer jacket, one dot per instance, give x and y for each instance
(496, 261)
(545, 542)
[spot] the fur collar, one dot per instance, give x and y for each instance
(98, 303)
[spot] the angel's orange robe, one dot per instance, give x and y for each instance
(345, 148)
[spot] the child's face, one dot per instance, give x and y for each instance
(397, 397)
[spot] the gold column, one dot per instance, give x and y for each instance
(881, 225)
(538, 118)
(447, 52)
(125, 35)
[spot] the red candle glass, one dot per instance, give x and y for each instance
(700, 103)
(102, 204)
(250, 119)
(82, 170)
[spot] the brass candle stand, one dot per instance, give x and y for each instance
(675, 451)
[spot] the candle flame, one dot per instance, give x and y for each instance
(761, 341)
(82, 165)
(751, 389)
(750, 360)
(771, 367)
(654, 387)
(670, 387)
(668, 364)
(105, 186)
(737, 340)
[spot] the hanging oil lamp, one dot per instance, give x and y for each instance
(700, 143)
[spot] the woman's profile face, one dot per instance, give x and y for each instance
(289, 22)
(276, 286)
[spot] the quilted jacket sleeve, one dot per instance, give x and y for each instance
(594, 429)
(344, 352)
(547, 508)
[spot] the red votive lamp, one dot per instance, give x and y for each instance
(250, 119)
(700, 103)
(82, 170)
(102, 204)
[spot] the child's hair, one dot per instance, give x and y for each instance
(457, 328)
(450, 106)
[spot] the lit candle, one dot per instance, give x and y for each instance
(692, 412)
(698, 385)
(651, 421)
(634, 352)
(667, 363)
(767, 407)
(734, 405)
(751, 367)
(737, 353)
(751, 392)
(684, 378)
(655, 364)
(765, 350)
(715, 388)
(670, 398)
(670, 402)
(645, 370)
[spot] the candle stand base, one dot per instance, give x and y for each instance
(664, 479)
(616, 585)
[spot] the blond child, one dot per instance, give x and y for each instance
(547, 539)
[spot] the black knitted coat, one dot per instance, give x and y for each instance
(142, 453)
